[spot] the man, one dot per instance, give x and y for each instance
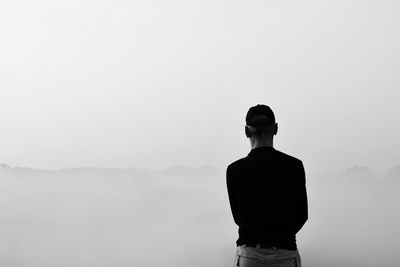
(267, 195)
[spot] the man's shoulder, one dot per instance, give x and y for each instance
(238, 163)
(288, 157)
(278, 155)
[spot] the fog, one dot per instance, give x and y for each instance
(134, 87)
(181, 217)
(151, 84)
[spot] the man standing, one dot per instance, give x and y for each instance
(268, 198)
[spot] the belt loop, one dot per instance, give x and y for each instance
(258, 246)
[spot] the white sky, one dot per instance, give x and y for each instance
(159, 83)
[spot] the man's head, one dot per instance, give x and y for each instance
(260, 122)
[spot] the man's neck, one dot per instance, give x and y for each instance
(256, 143)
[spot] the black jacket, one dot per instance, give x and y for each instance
(268, 198)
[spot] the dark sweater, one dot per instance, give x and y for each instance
(268, 198)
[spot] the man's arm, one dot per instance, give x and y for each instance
(231, 195)
(300, 204)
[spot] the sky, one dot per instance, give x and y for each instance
(151, 84)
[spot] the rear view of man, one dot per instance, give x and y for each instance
(267, 195)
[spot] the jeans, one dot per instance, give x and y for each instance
(265, 257)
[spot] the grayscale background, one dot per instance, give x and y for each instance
(118, 119)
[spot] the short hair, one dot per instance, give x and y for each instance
(260, 120)
(260, 115)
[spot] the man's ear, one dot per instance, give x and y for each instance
(275, 129)
(246, 131)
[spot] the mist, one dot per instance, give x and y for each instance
(132, 88)
(152, 84)
(180, 216)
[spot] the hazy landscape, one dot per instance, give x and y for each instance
(180, 217)
(133, 88)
